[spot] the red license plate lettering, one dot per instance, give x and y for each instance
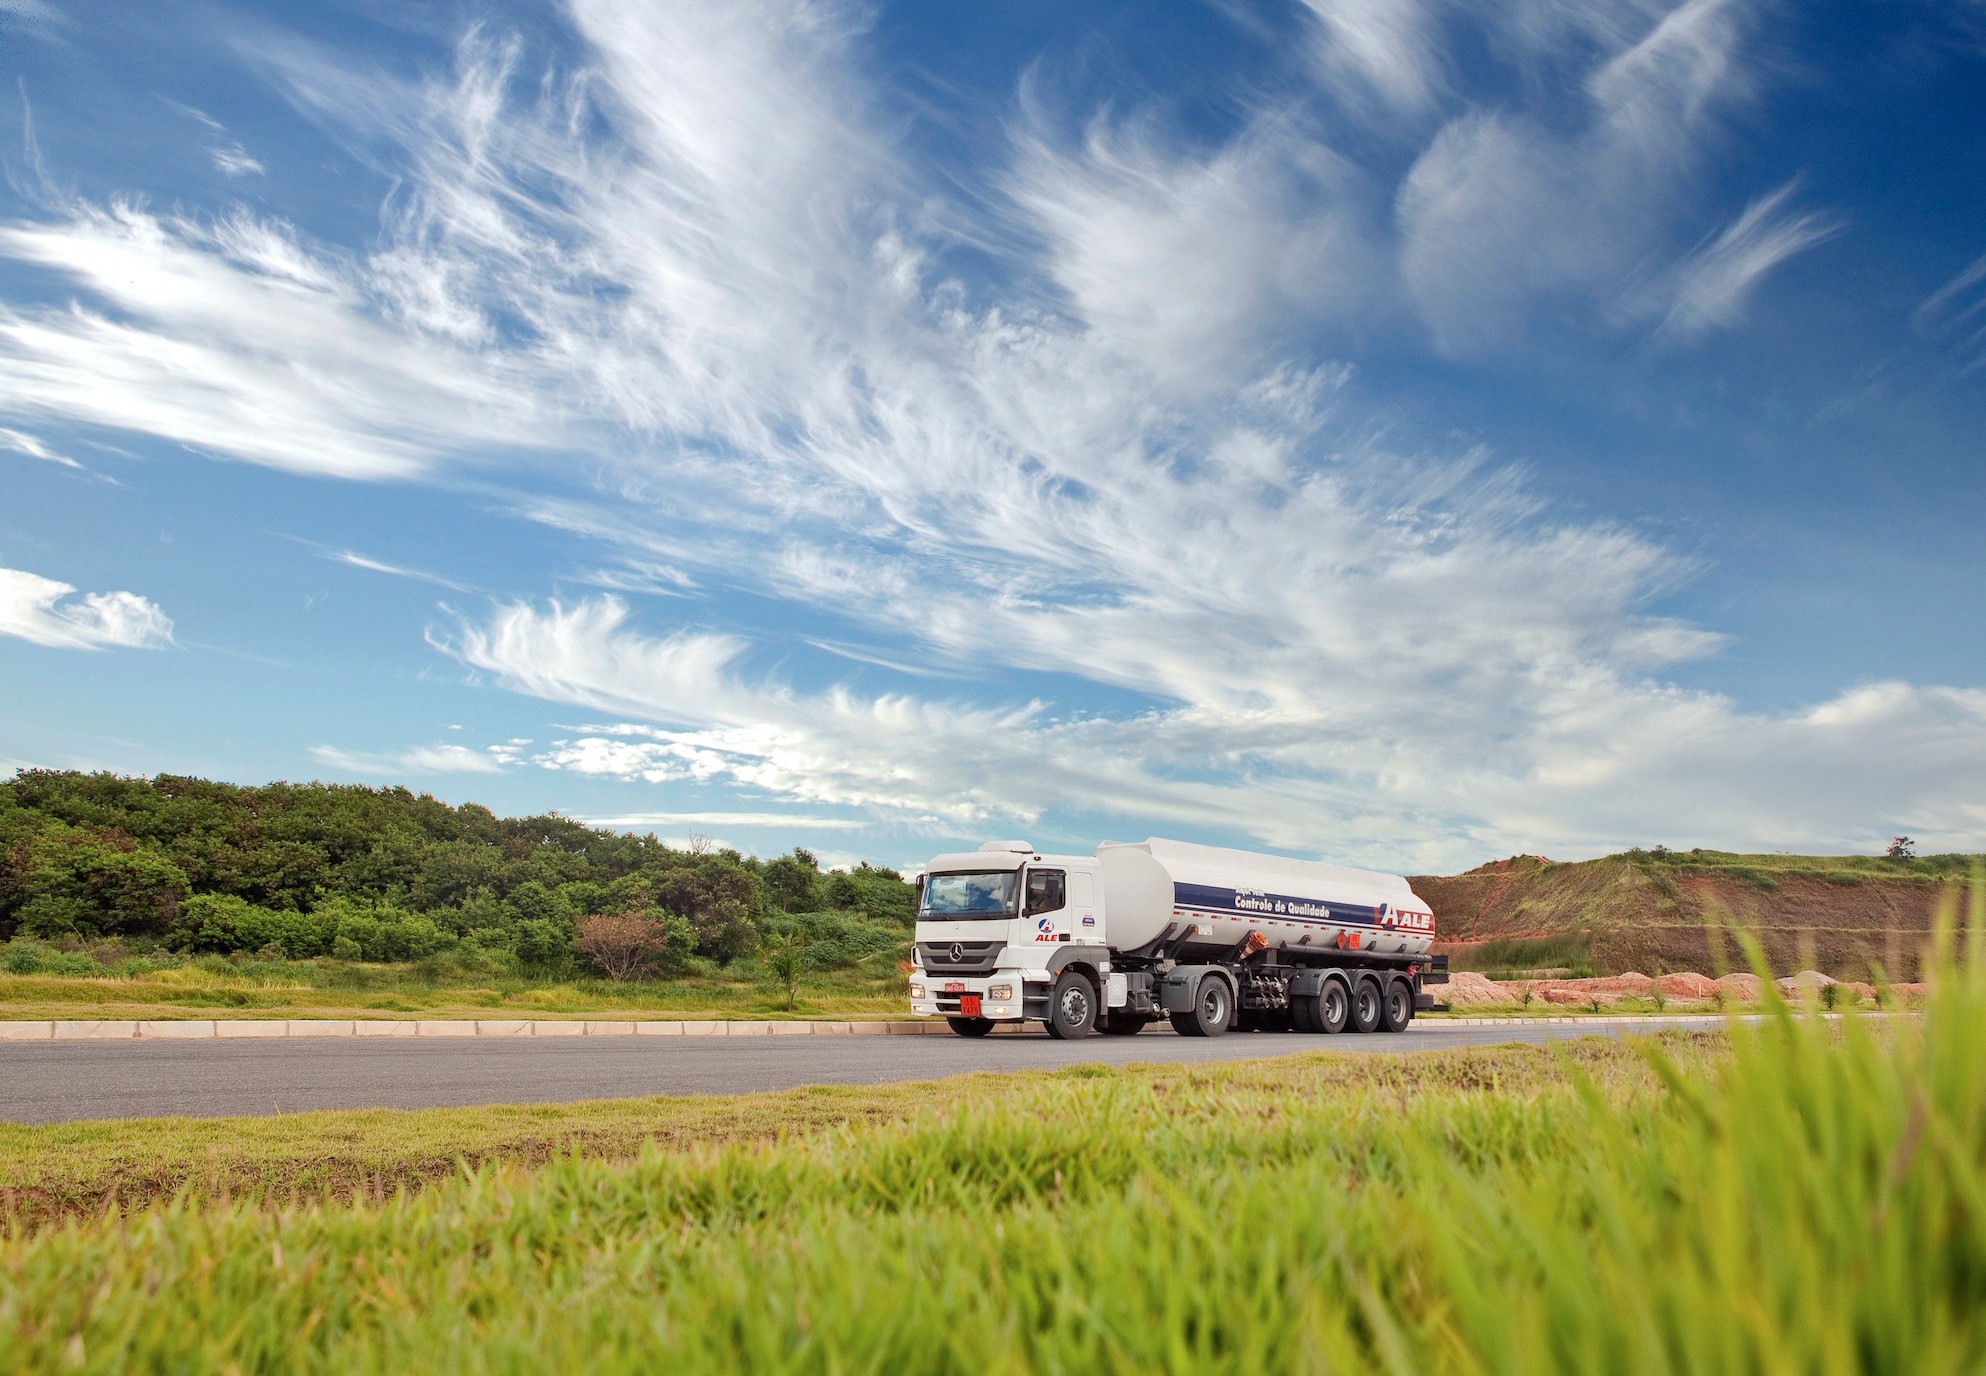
(955, 987)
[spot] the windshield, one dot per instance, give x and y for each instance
(962, 897)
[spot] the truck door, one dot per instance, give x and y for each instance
(1048, 904)
(1082, 907)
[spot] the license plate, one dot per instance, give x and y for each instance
(969, 1005)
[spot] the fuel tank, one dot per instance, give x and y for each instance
(1298, 905)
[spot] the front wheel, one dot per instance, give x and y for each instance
(1213, 1009)
(1071, 1008)
(971, 1027)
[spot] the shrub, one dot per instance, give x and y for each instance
(33, 958)
(785, 962)
(624, 945)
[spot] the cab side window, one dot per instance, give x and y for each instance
(1047, 891)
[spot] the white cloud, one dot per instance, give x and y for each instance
(235, 161)
(1503, 214)
(234, 336)
(22, 443)
(782, 821)
(46, 612)
(1957, 311)
(1592, 762)
(360, 561)
(422, 759)
(1713, 285)
(1387, 45)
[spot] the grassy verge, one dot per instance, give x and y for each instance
(83, 1170)
(219, 988)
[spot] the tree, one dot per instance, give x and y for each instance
(623, 945)
(791, 881)
(1901, 848)
(717, 896)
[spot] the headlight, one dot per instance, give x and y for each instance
(917, 991)
(1000, 992)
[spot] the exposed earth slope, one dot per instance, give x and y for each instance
(1657, 911)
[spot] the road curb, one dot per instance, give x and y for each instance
(197, 1029)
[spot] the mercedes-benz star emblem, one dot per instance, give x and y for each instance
(958, 951)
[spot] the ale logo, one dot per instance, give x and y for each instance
(1044, 929)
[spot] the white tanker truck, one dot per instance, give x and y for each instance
(1211, 939)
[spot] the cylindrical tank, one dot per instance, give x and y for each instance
(1299, 905)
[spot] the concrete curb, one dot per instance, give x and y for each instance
(203, 1030)
(226, 1028)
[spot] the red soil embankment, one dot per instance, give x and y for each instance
(1634, 914)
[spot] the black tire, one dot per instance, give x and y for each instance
(1120, 1024)
(1303, 1014)
(1396, 1009)
(970, 1027)
(1334, 1006)
(1071, 1008)
(1366, 1001)
(1212, 1011)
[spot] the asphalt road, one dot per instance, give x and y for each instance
(52, 1082)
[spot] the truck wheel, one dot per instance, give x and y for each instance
(1397, 1009)
(971, 1027)
(1071, 1008)
(1334, 1007)
(1213, 1009)
(1365, 1006)
(1120, 1024)
(1303, 1014)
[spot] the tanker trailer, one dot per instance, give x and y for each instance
(1211, 940)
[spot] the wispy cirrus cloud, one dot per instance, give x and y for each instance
(1711, 288)
(418, 760)
(47, 612)
(20, 442)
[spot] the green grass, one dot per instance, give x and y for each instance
(1765, 870)
(116, 984)
(81, 1170)
(1514, 958)
(1811, 1200)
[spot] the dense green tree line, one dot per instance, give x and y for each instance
(375, 874)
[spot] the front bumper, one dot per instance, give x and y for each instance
(942, 995)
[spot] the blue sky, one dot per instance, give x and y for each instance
(1398, 431)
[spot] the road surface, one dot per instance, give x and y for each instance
(52, 1082)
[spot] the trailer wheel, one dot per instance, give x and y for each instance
(1117, 1023)
(1304, 1016)
(1366, 1006)
(1397, 1009)
(1071, 1008)
(970, 1027)
(1212, 1010)
(1334, 1006)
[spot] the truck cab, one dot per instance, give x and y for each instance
(998, 927)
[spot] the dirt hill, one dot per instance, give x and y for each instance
(1657, 911)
